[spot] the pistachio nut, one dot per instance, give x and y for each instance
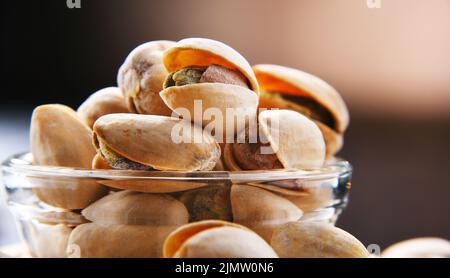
(106, 101)
(215, 239)
(213, 73)
(308, 239)
(99, 163)
(59, 138)
(134, 208)
(260, 210)
(141, 78)
(426, 247)
(145, 142)
(287, 88)
(209, 202)
(94, 240)
(50, 241)
(294, 142)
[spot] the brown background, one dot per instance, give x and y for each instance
(392, 66)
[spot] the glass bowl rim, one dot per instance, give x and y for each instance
(21, 164)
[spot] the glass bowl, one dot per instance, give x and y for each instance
(138, 209)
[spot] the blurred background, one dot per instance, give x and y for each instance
(390, 62)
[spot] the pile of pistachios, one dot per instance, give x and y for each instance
(146, 124)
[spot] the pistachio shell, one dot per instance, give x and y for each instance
(99, 163)
(59, 138)
(210, 202)
(133, 208)
(117, 241)
(296, 82)
(333, 140)
(141, 78)
(316, 240)
(261, 210)
(147, 140)
(214, 95)
(215, 239)
(154, 185)
(106, 101)
(426, 247)
(50, 241)
(204, 52)
(66, 217)
(296, 140)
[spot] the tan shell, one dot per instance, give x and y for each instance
(333, 140)
(313, 198)
(106, 101)
(99, 163)
(66, 217)
(296, 140)
(134, 208)
(296, 82)
(215, 239)
(59, 138)
(204, 52)
(154, 185)
(141, 78)
(426, 247)
(226, 98)
(260, 210)
(316, 240)
(147, 139)
(117, 241)
(50, 241)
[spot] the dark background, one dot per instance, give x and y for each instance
(398, 140)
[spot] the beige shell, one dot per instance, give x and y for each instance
(99, 163)
(106, 101)
(234, 100)
(149, 140)
(260, 210)
(316, 240)
(426, 247)
(313, 198)
(204, 52)
(50, 241)
(134, 208)
(141, 78)
(117, 241)
(296, 82)
(59, 138)
(333, 140)
(66, 217)
(154, 185)
(296, 140)
(215, 239)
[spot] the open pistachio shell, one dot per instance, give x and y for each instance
(148, 141)
(210, 202)
(260, 210)
(66, 217)
(117, 241)
(99, 163)
(426, 247)
(296, 140)
(106, 101)
(298, 83)
(154, 186)
(134, 208)
(50, 241)
(59, 138)
(333, 140)
(316, 240)
(198, 53)
(215, 239)
(141, 78)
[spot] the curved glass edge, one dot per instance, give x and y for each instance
(21, 164)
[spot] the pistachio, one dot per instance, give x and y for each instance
(99, 163)
(141, 78)
(214, 73)
(130, 141)
(106, 101)
(287, 88)
(133, 208)
(66, 217)
(294, 142)
(316, 240)
(260, 210)
(59, 138)
(215, 239)
(426, 247)
(210, 202)
(50, 241)
(93, 240)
